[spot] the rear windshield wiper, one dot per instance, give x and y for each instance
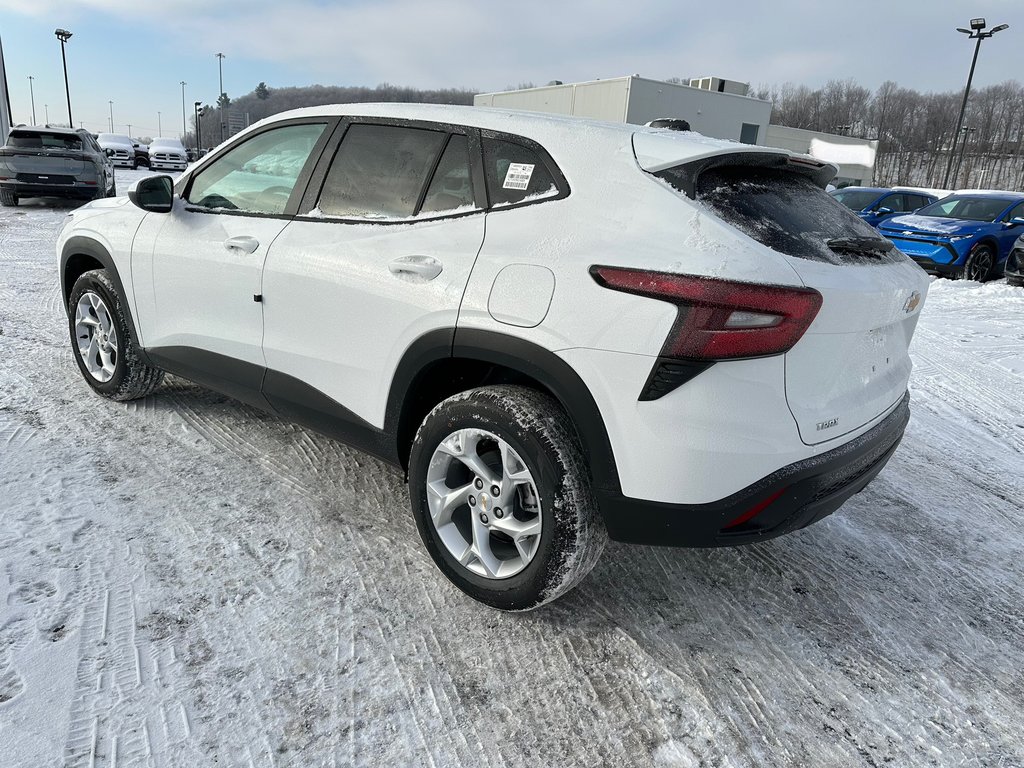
(875, 247)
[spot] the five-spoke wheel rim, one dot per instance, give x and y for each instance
(483, 503)
(980, 265)
(97, 337)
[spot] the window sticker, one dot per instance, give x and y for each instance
(518, 176)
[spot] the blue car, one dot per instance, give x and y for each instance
(876, 204)
(966, 235)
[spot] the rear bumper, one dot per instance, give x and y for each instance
(74, 191)
(784, 501)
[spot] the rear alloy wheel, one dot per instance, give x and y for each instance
(501, 496)
(102, 342)
(979, 264)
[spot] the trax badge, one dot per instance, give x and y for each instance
(912, 301)
(827, 424)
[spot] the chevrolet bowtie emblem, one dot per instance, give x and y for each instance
(912, 302)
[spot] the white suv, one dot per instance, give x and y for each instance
(562, 329)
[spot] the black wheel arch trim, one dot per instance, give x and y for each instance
(86, 246)
(560, 379)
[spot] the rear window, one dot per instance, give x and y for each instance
(43, 140)
(786, 212)
(515, 174)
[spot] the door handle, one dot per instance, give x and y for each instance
(426, 267)
(242, 243)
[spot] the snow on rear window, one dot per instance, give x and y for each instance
(784, 211)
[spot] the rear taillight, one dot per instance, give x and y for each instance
(720, 319)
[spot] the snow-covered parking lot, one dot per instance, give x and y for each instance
(189, 582)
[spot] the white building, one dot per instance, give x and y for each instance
(639, 100)
(713, 106)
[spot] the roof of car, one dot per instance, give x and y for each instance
(996, 193)
(477, 117)
(655, 148)
(852, 188)
(58, 130)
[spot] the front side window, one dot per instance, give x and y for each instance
(380, 171)
(515, 174)
(259, 175)
(894, 203)
(1015, 212)
(855, 199)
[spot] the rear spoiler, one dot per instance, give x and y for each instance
(663, 154)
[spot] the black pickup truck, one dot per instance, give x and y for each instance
(43, 161)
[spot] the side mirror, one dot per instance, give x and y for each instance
(1016, 221)
(153, 193)
(883, 211)
(108, 152)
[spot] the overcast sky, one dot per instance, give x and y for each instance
(135, 53)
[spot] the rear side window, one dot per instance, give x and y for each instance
(451, 189)
(515, 174)
(380, 171)
(786, 212)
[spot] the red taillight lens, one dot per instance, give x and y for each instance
(721, 319)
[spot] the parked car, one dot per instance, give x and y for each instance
(141, 154)
(167, 154)
(41, 161)
(1014, 269)
(966, 235)
(875, 204)
(562, 330)
(122, 147)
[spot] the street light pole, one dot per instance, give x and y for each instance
(199, 133)
(111, 116)
(963, 148)
(976, 32)
(32, 94)
(220, 97)
(184, 131)
(129, 130)
(63, 35)
(159, 125)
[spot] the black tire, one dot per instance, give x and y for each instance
(1017, 282)
(980, 264)
(131, 378)
(112, 192)
(538, 429)
(8, 198)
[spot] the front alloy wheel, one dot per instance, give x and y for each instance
(102, 341)
(96, 336)
(979, 264)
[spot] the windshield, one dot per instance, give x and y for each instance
(855, 199)
(970, 208)
(43, 140)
